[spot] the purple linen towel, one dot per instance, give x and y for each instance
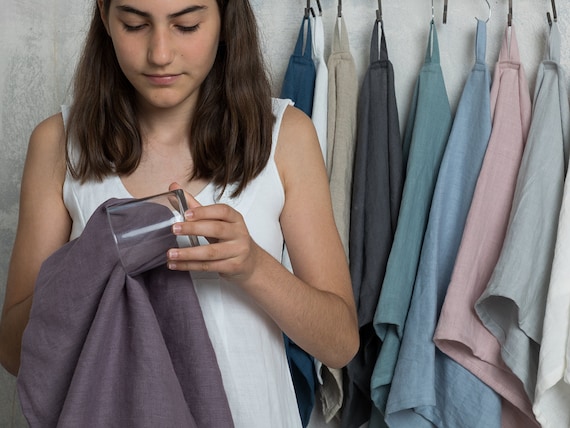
(104, 348)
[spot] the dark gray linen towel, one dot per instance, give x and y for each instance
(376, 194)
(104, 348)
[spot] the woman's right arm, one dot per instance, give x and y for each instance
(44, 226)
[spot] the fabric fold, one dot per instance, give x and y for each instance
(376, 195)
(513, 305)
(426, 135)
(429, 388)
(299, 80)
(103, 348)
(341, 130)
(552, 392)
(459, 332)
(320, 94)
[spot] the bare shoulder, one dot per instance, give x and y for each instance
(46, 160)
(296, 125)
(48, 137)
(298, 145)
(45, 166)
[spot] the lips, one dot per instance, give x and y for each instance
(162, 79)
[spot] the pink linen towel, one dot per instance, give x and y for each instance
(459, 333)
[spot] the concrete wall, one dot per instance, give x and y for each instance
(39, 41)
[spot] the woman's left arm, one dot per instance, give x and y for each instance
(315, 306)
(321, 296)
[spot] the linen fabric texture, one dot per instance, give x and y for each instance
(320, 94)
(299, 80)
(341, 131)
(426, 136)
(107, 348)
(513, 305)
(376, 195)
(459, 332)
(429, 389)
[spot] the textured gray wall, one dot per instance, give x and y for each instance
(39, 41)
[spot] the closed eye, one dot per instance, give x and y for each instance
(186, 29)
(133, 27)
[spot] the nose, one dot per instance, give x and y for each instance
(160, 47)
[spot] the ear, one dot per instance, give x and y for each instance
(103, 15)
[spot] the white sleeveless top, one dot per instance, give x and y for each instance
(248, 344)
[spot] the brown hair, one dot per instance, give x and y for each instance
(233, 120)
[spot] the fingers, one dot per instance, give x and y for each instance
(226, 258)
(218, 221)
(191, 200)
(230, 248)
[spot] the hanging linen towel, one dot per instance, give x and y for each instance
(113, 345)
(376, 195)
(329, 387)
(512, 307)
(299, 80)
(430, 389)
(459, 333)
(341, 129)
(552, 392)
(426, 135)
(320, 94)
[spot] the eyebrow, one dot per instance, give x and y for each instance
(130, 9)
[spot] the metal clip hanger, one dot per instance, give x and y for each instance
(510, 15)
(490, 10)
(340, 8)
(554, 14)
(445, 12)
(379, 12)
(319, 7)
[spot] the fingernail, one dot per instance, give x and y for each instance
(173, 254)
(171, 266)
(189, 214)
(176, 228)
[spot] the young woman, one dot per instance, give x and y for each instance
(173, 94)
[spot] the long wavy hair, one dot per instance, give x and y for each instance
(232, 124)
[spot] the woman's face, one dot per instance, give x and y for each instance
(166, 48)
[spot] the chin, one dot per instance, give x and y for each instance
(165, 103)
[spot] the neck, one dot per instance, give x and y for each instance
(166, 123)
(162, 124)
